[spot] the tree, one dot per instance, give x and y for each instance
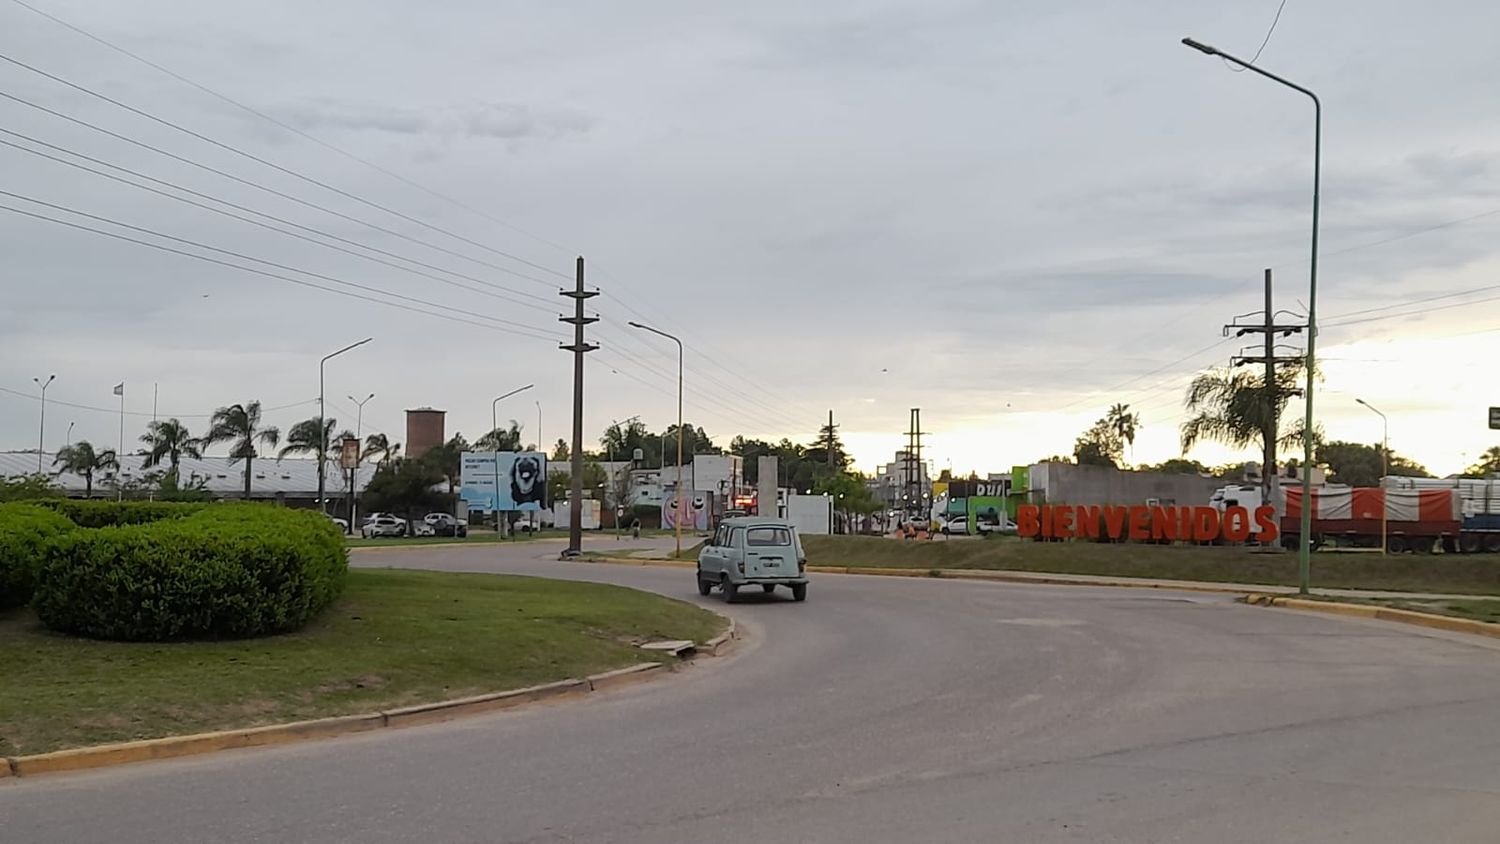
(29, 488)
(1100, 445)
(81, 459)
(448, 460)
(624, 440)
(168, 439)
(560, 484)
(303, 438)
(239, 425)
(501, 439)
(1359, 465)
(407, 486)
(1178, 466)
(378, 445)
(848, 492)
(694, 441)
(1123, 422)
(561, 452)
(1236, 408)
(1489, 464)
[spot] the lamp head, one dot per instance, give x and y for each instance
(1201, 47)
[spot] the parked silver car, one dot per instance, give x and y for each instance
(753, 551)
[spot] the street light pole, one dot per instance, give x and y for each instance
(41, 436)
(322, 425)
(359, 434)
(495, 426)
(614, 479)
(676, 522)
(1304, 545)
(1385, 459)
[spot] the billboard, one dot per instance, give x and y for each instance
(507, 481)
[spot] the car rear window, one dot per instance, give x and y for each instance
(768, 536)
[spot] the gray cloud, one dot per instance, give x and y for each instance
(504, 121)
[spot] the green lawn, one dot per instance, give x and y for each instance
(1477, 574)
(395, 637)
(375, 542)
(1472, 609)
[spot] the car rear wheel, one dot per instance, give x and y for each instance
(799, 591)
(731, 591)
(704, 587)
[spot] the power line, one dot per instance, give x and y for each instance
(1417, 312)
(244, 257)
(274, 192)
(1123, 384)
(297, 281)
(115, 411)
(261, 224)
(310, 180)
(294, 130)
(1419, 301)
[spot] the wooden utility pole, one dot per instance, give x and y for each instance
(579, 348)
(1270, 424)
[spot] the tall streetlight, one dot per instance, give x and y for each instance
(676, 522)
(41, 435)
(1304, 545)
(1385, 457)
(322, 425)
(541, 444)
(70, 432)
(359, 434)
(495, 426)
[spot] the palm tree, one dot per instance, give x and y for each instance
(377, 445)
(169, 439)
(80, 459)
(239, 424)
(1124, 423)
(302, 438)
(1234, 407)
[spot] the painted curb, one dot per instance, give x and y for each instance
(721, 644)
(432, 713)
(625, 676)
(167, 748)
(109, 755)
(1419, 619)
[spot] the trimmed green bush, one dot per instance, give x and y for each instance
(26, 532)
(89, 513)
(225, 571)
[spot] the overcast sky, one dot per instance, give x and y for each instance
(1010, 215)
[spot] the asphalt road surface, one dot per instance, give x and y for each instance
(888, 709)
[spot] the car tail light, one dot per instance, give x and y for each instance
(742, 566)
(801, 566)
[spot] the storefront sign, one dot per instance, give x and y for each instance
(1141, 523)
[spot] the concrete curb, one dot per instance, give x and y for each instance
(1039, 579)
(1420, 619)
(109, 755)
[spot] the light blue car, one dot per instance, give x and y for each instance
(753, 551)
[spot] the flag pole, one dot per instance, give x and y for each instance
(120, 452)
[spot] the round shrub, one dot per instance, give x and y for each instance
(26, 533)
(226, 571)
(88, 513)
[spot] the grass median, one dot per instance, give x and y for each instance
(394, 638)
(1469, 574)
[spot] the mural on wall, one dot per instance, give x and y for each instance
(696, 511)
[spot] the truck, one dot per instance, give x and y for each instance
(1416, 520)
(1479, 503)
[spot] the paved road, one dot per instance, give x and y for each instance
(889, 709)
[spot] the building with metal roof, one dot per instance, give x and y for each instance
(294, 478)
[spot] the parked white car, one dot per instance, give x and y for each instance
(383, 524)
(956, 526)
